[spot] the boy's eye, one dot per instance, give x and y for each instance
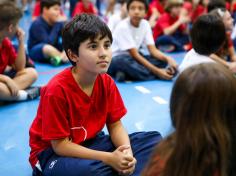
(93, 46)
(107, 45)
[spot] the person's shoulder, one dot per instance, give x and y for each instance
(38, 22)
(123, 24)
(107, 79)
(6, 43)
(59, 81)
(144, 23)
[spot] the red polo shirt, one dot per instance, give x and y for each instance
(7, 54)
(66, 111)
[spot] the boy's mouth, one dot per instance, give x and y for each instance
(102, 62)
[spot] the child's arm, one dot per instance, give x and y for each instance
(229, 65)
(182, 19)
(120, 137)
(155, 70)
(232, 54)
(161, 56)
(116, 159)
(20, 59)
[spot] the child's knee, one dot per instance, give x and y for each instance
(3, 88)
(48, 49)
(32, 73)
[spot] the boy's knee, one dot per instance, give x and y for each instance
(48, 48)
(32, 73)
(3, 90)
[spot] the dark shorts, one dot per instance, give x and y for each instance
(36, 53)
(142, 144)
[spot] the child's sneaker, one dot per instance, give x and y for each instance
(33, 92)
(55, 61)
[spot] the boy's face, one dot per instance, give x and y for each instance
(52, 13)
(11, 30)
(94, 56)
(136, 12)
(228, 21)
(176, 10)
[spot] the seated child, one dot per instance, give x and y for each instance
(194, 9)
(155, 10)
(203, 111)
(226, 55)
(170, 31)
(37, 9)
(118, 15)
(44, 42)
(207, 37)
(65, 136)
(129, 35)
(84, 6)
(14, 77)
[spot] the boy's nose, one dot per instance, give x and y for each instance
(102, 52)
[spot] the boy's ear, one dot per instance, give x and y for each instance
(72, 55)
(10, 28)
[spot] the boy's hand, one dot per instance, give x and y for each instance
(131, 164)
(183, 18)
(12, 87)
(171, 62)
(20, 34)
(119, 160)
(163, 73)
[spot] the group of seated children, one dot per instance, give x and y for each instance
(64, 139)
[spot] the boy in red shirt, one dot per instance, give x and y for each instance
(84, 6)
(66, 137)
(171, 27)
(14, 77)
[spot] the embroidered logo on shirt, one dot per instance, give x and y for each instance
(52, 164)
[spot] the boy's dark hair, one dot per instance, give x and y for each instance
(48, 4)
(215, 4)
(142, 1)
(173, 3)
(207, 34)
(9, 14)
(81, 28)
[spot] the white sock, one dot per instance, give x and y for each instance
(22, 95)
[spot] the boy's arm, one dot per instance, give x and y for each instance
(182, 19)
(20, 59)
(65, 147)
(229, 65)
(118, 134)
(155, 70)
(232, 54)
(117, 159)
(161, 56)
(120, 137)
(218, 59)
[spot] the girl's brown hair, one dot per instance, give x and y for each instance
(203, 112)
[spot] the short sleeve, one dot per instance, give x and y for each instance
(123, 38)
(116, 108)
(148, 40)
(10, 51)
(55, 124)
